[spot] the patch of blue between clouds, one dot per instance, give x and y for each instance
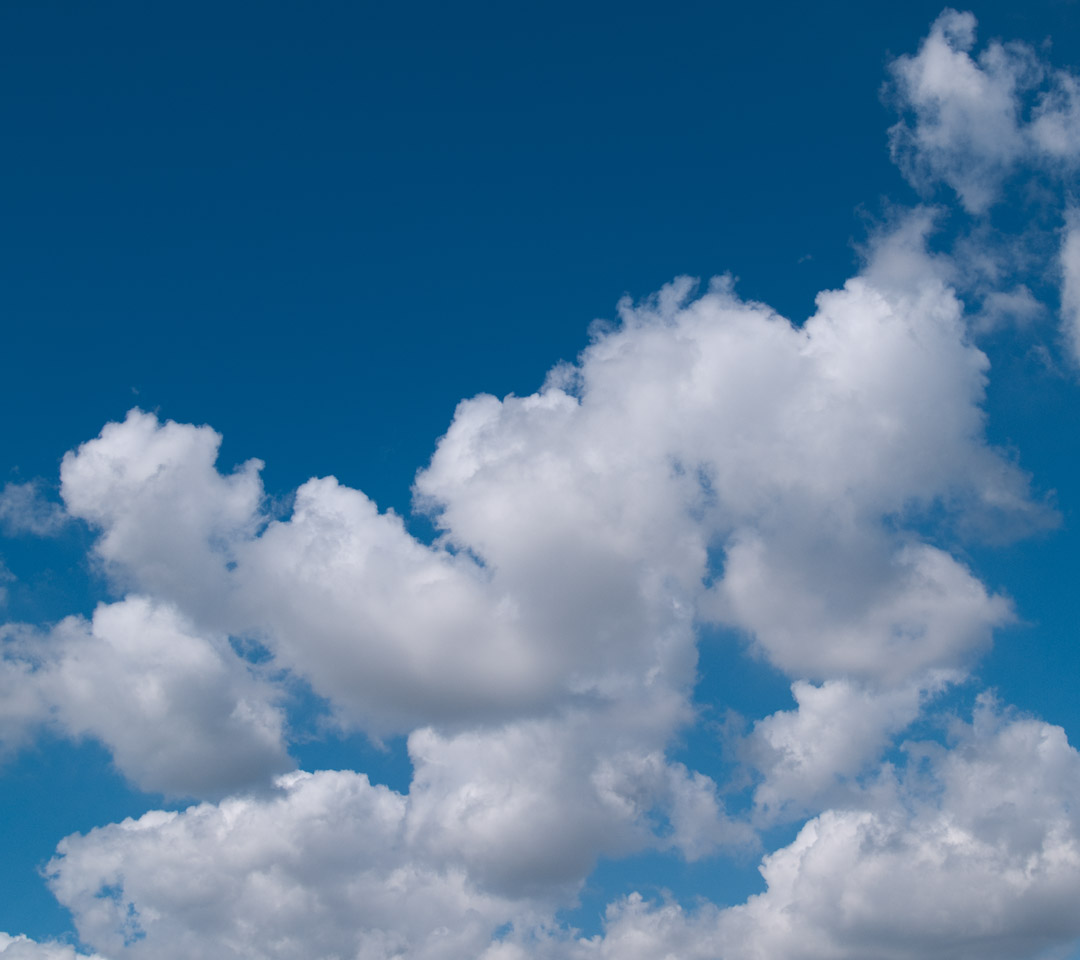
(47, 791)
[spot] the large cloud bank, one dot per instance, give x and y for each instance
(705, 467)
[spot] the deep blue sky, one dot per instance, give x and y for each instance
(318, 230)
(317, 227)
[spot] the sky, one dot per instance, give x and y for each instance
(539, 482)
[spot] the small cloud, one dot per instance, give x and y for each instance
(1008, 308)
(6, 576)
(24, 509)
(805, 258)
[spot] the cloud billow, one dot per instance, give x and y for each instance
(704, 463)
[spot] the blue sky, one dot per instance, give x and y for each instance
(708, 605)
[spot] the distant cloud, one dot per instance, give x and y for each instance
(24, 509)
(971, 121)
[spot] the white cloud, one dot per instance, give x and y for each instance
(23, 706)
(982, 857)
(1055, 124)
(541, 653)
(24, 509)
(180, 712)
(908, 612)
(1000, 308)
(499, 826)
(168, 518)
(23, 948)
(973, 120)
(577, 527)
(528, 808)
(974, 851)
(809, 755)
(705, 461)
(317, 871)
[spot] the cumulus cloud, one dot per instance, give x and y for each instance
(180, 712)
(809, 755)
(541, 652)
(971, 851)
(577, 526)
(530, 807)
(168, 518)
(320, 870)
(971, 121)
(498, 827)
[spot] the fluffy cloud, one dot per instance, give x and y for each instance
(541, 652)
(528, 808)
(973, 120)
(320, 870)
(498, 827)
(700, 459)
(810, 754)
(180, 712)
(168, 518)
(577, 523)
(973, 851)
